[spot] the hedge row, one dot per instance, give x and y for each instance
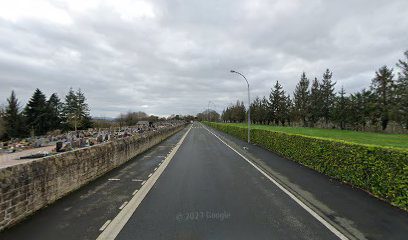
(383, 171)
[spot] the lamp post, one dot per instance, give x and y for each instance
(249, 106)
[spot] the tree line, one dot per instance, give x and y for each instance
(315, 103)
(41, 115)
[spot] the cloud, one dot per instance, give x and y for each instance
(167, 57)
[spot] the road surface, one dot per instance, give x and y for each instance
(203, 184)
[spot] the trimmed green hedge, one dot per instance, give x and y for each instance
(383, 171)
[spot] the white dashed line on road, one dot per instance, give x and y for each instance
(104, 225)
(137, 180)
(155, 169)
(113, 179)
(123, 205)
(134, 192)
(149, 175)
(143, 183)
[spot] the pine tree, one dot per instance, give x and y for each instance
(327, 96)
(341, 109)
(315, 103)
(35, 114)
(83, 110)
(402, 92)
(277, 100)
(54, 109)
(13, 118)
(383, 86)
(76, 110)
(301, 99)
(2, 123)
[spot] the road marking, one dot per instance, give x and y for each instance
(137, 180)
(123, 205)
(143, 182)
(104, 225)
(297, 200)
(155, 169)
(113, 179)
(134, 192)
(124, 215)
(150, 175)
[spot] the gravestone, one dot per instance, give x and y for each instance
(58, 146)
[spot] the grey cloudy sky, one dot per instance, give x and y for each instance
(165, 57)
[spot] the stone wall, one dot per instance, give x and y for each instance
(27, 187)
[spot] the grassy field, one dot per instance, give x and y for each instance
(379, 139)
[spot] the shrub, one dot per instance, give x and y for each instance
(383, 171)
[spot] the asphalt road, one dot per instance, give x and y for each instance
(209, 192)
(209, 185)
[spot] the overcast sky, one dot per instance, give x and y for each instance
(165, 57)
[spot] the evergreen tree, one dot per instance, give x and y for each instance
(13, 118)
(264, 110)
(315, 102)
(402, 92)
(327, 96)
(2, 123)
(301, 99)
(288, 111)
(277, 100)
(341, 109)
(35, 114)
(54, 108)
(383, 86)
(83, 110)
(76, 110)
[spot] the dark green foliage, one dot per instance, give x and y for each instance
(327, 96)
(76, 111)
(401, 114)
(14, 123)
(383, 171)
(54, 109)
(234, 113)
(301, 99)
(341, 109)
(383, 87)
(36, 114)
(278, 108)
(315, 103)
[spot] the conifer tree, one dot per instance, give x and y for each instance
(301, 99)
(35, 114)
(402, 92)
(327, 96)
(54, 108)
(315, 102)
(13, 118)
(383, 86)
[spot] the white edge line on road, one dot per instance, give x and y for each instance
(104, 225)
(297, 200)
(124, 215)
(123, 205)
(150, 175)
(134, 192)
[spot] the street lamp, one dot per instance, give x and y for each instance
(249, 106)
